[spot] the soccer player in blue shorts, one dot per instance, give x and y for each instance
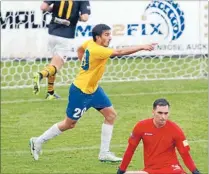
(65, 16)
(85, 92)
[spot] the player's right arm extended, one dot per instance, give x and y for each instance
(47, 6)
(133, 49)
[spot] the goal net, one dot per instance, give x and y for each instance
(181, 52)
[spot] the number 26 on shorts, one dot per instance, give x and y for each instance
(78, 112)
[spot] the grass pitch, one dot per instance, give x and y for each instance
(76, 151)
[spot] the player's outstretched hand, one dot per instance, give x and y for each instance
(149, 47)
(120, 171)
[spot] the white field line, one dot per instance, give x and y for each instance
(84, 148)
(113, 95)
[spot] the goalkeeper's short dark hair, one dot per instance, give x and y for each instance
(99, 29)
(160, 102)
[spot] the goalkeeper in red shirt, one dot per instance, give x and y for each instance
(160, 138)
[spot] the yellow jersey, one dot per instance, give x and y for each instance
(92, 67)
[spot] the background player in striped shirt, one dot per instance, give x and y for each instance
(85, 91)
(65, 16)
(160, 138)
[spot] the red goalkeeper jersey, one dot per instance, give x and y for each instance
(159, 143)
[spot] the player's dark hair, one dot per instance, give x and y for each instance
(98, 30)
(160, 102)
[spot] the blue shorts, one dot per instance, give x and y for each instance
(79, 102)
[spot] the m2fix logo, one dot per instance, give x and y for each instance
(161, 18)
(169, 12)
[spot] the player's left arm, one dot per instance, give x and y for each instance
(85, 11)
(183, 148)
(81, 49)
(80, 52)
(47, 6)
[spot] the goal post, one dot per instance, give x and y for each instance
(181, 53)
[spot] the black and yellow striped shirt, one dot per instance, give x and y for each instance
(65, 15)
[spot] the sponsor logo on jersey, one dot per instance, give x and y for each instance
(148, 134)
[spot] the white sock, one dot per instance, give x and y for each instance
(49, 134)
(106, 136)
